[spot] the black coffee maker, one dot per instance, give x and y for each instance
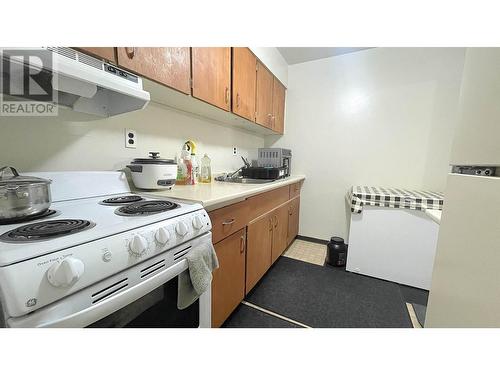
(336, 252)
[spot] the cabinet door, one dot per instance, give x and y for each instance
(212, 75)
(166, 65)
(278, 107)
(280, 231)
(228, 283)
(106, 53)
(244, 82)
(293, 219)
(259, 242)
(264, 97)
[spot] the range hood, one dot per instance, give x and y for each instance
(79, 81)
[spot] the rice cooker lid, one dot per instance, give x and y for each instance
(154, 158)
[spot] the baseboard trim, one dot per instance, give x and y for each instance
(311, 239)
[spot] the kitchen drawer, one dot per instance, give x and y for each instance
(294, 189)
(266, 202)
(228, 220)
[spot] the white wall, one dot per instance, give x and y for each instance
(382, 116)
(51, 144)
(274, 61)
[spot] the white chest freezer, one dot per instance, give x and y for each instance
(391, 237)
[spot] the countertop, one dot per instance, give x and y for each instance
(434, 215)
(219, 194)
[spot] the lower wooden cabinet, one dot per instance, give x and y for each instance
(228, 283)
(247, 245)
(293, 219)
(280, 231)
(259, 245)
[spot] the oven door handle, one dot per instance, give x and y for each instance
(50, 316)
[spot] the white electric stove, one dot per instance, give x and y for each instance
(102, 256)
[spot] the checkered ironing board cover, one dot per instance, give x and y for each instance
(358, 196)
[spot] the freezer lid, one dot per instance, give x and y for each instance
(358, 196)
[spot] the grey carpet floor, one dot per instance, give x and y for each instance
(328, 297)
(248, 317)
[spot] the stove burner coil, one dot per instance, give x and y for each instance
(146, 208)
(16, 220)
(126, 199)
(46, 230)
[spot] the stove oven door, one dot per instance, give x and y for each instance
(157, 309)
(151, 303)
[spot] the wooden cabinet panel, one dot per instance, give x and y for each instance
(259, 243)
(228, 283)
(227, 220)
(244, 82)
(280, 230)
(264, 96)
(295, 189)
(266, 202)
(212, 75)
(293, 219)
(166, 65)
(106, 53)
(278, 106)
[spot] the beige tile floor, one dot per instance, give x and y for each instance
(307, 251)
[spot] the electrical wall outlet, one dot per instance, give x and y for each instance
(235, 151)
(130, 138)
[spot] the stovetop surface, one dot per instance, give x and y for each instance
(107, 223)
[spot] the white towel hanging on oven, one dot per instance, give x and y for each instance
(194, 281)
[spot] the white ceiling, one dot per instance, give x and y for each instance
(296, 55)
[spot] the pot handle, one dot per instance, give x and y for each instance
(12, 170)
(135, 168)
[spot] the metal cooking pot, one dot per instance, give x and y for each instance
(22, 196)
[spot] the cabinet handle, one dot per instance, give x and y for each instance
(228, 222)
(276, 221)
(129, 53)
(226, 95)
(270, 119)
(237, 100)
(242, 244)
(270, 224)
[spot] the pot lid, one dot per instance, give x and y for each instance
(15, 178)
(154, 158)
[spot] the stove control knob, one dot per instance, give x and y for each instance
(138, 245)
(197, 223)
(65, 272)
(162, 235)
(181, 229)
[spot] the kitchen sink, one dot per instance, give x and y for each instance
(243, 180)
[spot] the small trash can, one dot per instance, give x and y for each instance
(336, 252)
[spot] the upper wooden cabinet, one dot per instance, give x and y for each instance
(212, 75)
(278, 106)
(167, 65)
(106, 53)
(244, 82)
(264, 96)
(228, 283)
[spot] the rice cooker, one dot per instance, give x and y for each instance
(153, 172)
